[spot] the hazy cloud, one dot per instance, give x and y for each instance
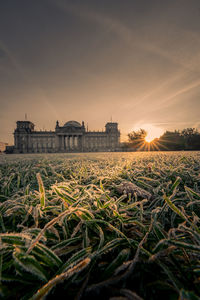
(138, 61)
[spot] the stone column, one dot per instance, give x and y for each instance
(67, 142)
(62, 142)
(82, 143)
(92, 143)
(70, 140)
(79, 142)
(76, 142)
(57, 143)
(64, 138)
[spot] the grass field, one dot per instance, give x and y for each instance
(100, 226)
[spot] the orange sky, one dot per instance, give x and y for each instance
(137, 61)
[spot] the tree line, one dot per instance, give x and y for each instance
(186, 139)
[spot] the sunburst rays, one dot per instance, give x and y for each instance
(154, 145)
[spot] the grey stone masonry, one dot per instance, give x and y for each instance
(71, 137)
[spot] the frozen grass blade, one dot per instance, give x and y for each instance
(43, 292)
(174, 208)
(80, 215)
(41, 189)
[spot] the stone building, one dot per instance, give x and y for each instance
(71, 137)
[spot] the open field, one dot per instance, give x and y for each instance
(100, 226)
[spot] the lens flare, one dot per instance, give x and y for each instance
(153, 132)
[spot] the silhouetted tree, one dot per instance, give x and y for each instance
(192, 138)
(187, 139)
(137, 138)
(171, 140)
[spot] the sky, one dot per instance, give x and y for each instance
(134, 62)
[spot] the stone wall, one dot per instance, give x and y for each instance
(72, 137)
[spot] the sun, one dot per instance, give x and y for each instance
(153, 132)
(149, 138)
(151, 141)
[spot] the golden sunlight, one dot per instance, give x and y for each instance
(153, 132)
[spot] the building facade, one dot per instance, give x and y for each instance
(71, 137)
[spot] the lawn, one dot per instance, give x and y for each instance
(100, 226)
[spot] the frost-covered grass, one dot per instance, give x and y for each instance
(100, 226)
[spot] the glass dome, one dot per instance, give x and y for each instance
(72, 124)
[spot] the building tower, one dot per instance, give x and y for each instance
(113, 135)
(21, 136)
